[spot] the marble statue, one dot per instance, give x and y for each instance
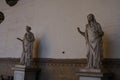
(27, 41)
(93, 36)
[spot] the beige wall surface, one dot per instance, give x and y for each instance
(54, 23)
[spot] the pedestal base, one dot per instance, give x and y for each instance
(94, 74)
(89, 78)
(25, 73)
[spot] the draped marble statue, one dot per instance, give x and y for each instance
(26, 57)
(93, 36)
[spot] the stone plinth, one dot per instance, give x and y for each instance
(94, 74)
(25, 73)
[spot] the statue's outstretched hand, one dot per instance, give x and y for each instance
(20, 39)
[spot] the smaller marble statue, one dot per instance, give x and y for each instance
(26, 58)
(93, 36)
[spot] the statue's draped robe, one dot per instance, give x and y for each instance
(93, 36)
(26, 57)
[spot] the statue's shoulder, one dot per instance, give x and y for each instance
(87, 25)
(31, 33)
(98, 24)
(25, 34)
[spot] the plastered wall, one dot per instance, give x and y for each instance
(55, 22)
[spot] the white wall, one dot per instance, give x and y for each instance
(54, 22)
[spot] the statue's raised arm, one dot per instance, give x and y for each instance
(82, 33)
(19, 39)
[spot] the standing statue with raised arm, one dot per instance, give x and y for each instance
(26, 57)
(93, 36)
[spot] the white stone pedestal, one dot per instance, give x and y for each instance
(94, 74)
(25, 73)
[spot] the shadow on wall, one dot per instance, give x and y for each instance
(106, 46)
(44, 48)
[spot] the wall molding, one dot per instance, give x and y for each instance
(63, 61)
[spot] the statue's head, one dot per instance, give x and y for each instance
(91, 17)
(28, 28)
